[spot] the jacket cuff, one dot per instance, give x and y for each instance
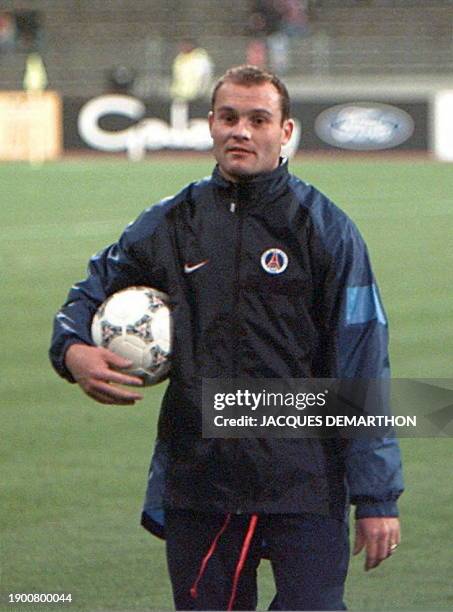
(376, 509)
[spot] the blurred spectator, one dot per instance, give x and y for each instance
(293, 22)
(265, 17)
(29, 30)
(191, 72)
(278, 51)
(7, 32)
(191, 79)
(271, 24)
(120, 79)
(294, 17)
(35, 77)
(256, 53)
(263, 21)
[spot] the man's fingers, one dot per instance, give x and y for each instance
(379, 547)
(117, 393)
(104, 399)
(115, 360)
(380, 536)
(394, 541)
(383, 548)
(359, 542)
(371, 554)
(108, 393)
(96, 371)
(120, 378)
(377, 551)
(395, 535)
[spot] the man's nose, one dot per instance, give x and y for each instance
(241, 130)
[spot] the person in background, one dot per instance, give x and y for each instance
(294, 19)
(191, 79)
(7, 32)
(262, 23)
(191, 72)
(35, 76)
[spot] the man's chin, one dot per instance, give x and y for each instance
(239, 172)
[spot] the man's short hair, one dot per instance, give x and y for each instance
(248, 76)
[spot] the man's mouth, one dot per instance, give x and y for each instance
(239, 151)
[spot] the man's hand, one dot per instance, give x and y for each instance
(379, 535)
(92, 367)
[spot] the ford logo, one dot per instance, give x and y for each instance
(364, 126)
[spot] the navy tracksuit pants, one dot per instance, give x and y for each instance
(213, 560)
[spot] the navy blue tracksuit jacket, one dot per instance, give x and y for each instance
(285, 291)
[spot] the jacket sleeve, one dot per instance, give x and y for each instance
(130, 261)
(357, 348)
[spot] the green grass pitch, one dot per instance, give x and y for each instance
(74, 472)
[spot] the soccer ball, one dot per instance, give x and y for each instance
(135, 323)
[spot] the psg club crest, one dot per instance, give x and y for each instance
(274, 261)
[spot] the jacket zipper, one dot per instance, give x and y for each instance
(235, 208)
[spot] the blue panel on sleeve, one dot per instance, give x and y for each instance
(363, 305)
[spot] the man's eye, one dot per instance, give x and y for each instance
(227, 118)
(258, 120)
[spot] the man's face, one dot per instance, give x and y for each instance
(247, 129)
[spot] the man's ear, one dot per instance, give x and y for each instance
(287, 131)
(210, 120)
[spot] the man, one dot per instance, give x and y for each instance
(268, 279)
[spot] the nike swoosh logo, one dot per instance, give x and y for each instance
(188, 268)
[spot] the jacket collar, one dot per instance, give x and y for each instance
(261, 189)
